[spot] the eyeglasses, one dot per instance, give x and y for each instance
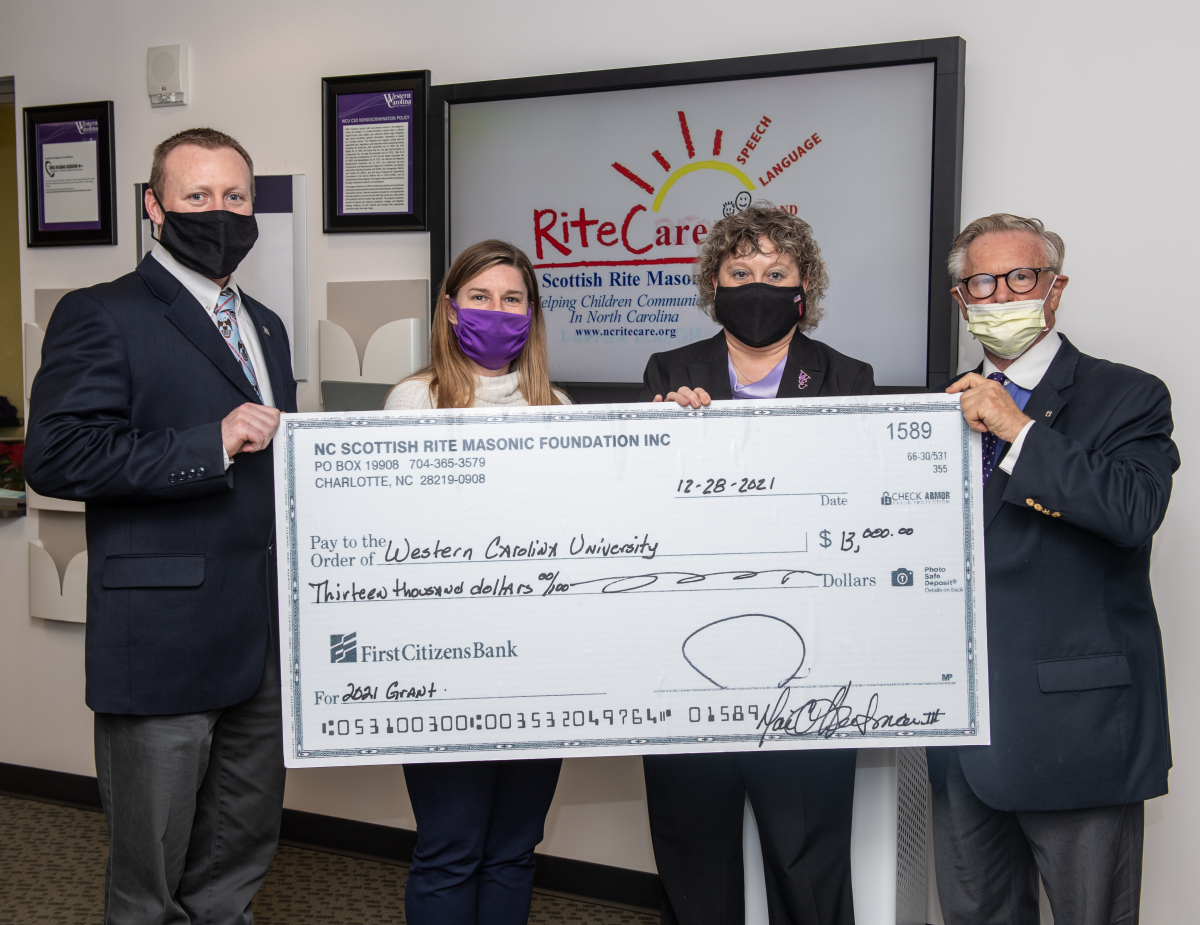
(1020, 280)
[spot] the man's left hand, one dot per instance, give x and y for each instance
(988, 407)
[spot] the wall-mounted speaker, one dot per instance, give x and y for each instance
(166, 75)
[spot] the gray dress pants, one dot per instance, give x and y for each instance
(988, 860)
(193, 804)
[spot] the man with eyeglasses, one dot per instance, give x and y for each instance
(1077, 467)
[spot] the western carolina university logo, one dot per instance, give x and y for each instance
(343, 647)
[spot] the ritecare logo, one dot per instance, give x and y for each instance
(571, 233)
(343, 647)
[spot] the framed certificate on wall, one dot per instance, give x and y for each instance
(374, 151)
(70, 166)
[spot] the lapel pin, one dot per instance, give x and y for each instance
(268, 333)
(1048, 413)
(803, 380)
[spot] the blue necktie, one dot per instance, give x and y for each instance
(991, 443)
(227, 324)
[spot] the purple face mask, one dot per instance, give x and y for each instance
(491, 339)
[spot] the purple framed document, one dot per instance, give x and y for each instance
(70, 189)
(374, 149)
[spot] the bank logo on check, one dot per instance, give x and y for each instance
(343, 647)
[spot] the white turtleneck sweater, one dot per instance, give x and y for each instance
(490, 392)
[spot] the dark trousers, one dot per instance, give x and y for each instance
(477, 825)
(193, 804)
(988, 860)
(802, 801)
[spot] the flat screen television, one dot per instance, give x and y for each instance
(611, 181)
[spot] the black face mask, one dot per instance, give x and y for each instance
(759, 314)
(211, 243)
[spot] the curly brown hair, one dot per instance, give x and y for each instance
(739, 235)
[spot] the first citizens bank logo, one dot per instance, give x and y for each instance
(343, 647)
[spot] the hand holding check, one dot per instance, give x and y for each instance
(987, 407)
(688, 398)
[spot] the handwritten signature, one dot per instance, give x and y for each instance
(828, 716)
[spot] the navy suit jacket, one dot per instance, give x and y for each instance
(126, 415)
(705, 365)
(1075, 660)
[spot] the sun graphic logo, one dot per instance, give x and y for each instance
(674, 175)
(589, 241)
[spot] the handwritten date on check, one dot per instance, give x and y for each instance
(626, 579)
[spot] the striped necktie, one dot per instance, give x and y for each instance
(227, 324)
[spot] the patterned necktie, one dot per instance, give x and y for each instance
(990, 442)
(227, 324)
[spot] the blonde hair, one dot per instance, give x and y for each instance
(450, 375)
(739, 235)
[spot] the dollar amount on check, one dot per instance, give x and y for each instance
(623, 579)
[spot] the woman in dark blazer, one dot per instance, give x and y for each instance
(761, 276)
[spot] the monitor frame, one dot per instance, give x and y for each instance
(947, 54)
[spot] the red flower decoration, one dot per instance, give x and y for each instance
(14, 452)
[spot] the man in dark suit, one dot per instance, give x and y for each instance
(156, 402)
(1078, 460)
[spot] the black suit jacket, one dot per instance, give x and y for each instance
(126, 415)
(705, 365)
(1075, 662)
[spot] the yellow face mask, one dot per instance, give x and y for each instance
(1007, 329)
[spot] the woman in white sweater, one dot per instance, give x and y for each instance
(488, 342)
(479, 821)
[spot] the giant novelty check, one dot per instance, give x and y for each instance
(624, 579)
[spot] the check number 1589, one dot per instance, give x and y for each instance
(912, 430)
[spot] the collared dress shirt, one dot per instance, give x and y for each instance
(1025, 372)
(207, 293)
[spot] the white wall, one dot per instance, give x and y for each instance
(1081, 113)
